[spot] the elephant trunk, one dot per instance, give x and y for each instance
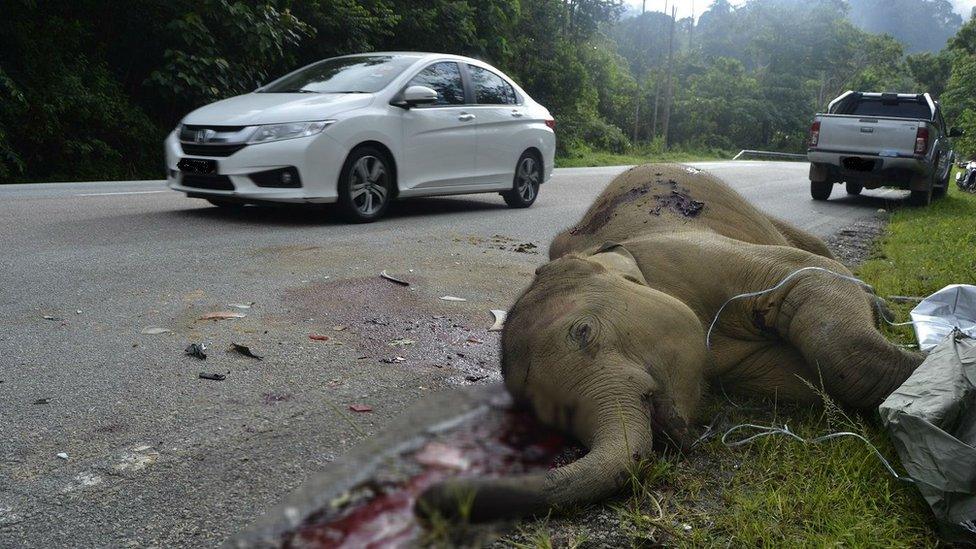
(622, 437)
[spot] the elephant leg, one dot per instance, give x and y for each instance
(831, 323)
(776, 370)
(801, 239)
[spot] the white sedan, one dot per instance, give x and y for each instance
(363, 130)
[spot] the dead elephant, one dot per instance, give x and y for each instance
(609, 341)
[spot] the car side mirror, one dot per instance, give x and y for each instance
(955, 132)
(416, 95)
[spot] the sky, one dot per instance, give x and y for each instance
(963, 7)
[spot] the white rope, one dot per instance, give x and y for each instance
(711, 327)
(785, 430)
(708, 336)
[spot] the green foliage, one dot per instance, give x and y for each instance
(225, 48)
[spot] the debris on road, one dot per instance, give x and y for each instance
(394, 360)
(525, 248)
(475, 378)
(153, 330)
(243, 350)
(197, 350)
(452, 298)
(360, 407)
(222, 315)
(339, 328)
(394, 279)
(438, 454)
(500, 317)
(474, 340)
(63, 455)
(214, 377)
(401, 342)
(317, 337)
(247, 305)
(42, 401)
(54, 318)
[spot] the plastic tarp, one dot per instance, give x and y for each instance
(932, 421)
(952, 307)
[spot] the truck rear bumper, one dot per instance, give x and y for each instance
(869, 170)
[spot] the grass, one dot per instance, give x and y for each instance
(779, 492)
(585, 157)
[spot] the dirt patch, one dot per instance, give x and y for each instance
(501, 242)
(399, 326)
(854, 244)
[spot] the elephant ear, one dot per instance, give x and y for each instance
(617, 259)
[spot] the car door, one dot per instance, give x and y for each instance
(501, 117)
(438, 139)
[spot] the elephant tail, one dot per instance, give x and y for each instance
(618, 444)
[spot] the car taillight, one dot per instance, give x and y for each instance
(921, 140)
(551, 123)
(815, 133)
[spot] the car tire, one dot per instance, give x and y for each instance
(940, 192)
(820, 190)
(854, 189)
(525, 185)
(366, 185)
(226, 204)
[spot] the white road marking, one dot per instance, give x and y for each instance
(118, 193)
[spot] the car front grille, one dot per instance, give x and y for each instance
(213, 182)
(195, 149)
(213, 140)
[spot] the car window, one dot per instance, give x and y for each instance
(445, 79)
(902, 108)
(491, 89)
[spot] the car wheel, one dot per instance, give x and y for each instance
(525, 187)
(854, 188)
(820, 190)
(226, 204)
(939, 192)
(365, 185)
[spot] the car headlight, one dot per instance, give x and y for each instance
(294, 130)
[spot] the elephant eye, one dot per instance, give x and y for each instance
(583, 331)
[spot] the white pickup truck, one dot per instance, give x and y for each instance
(871, 140)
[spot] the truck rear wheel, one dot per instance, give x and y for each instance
(820, 190)
(854, 188)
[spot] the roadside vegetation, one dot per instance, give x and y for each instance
(777, 491)
(643, 154)
(89, 89)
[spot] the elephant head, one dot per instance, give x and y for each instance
(596, 352)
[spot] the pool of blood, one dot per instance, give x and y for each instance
(499, 443)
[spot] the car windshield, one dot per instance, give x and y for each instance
(360, 74)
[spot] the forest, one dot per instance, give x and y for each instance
(90, 88)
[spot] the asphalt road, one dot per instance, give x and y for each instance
(152, 455)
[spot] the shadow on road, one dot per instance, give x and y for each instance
(308, 214)
(889, 200)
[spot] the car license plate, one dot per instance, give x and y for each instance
(204, 166)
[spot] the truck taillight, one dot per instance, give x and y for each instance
(922, 140)
(815, 133)
(551, 123)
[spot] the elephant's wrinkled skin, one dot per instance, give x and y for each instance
(609, 341)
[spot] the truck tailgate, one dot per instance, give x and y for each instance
(868, 135)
